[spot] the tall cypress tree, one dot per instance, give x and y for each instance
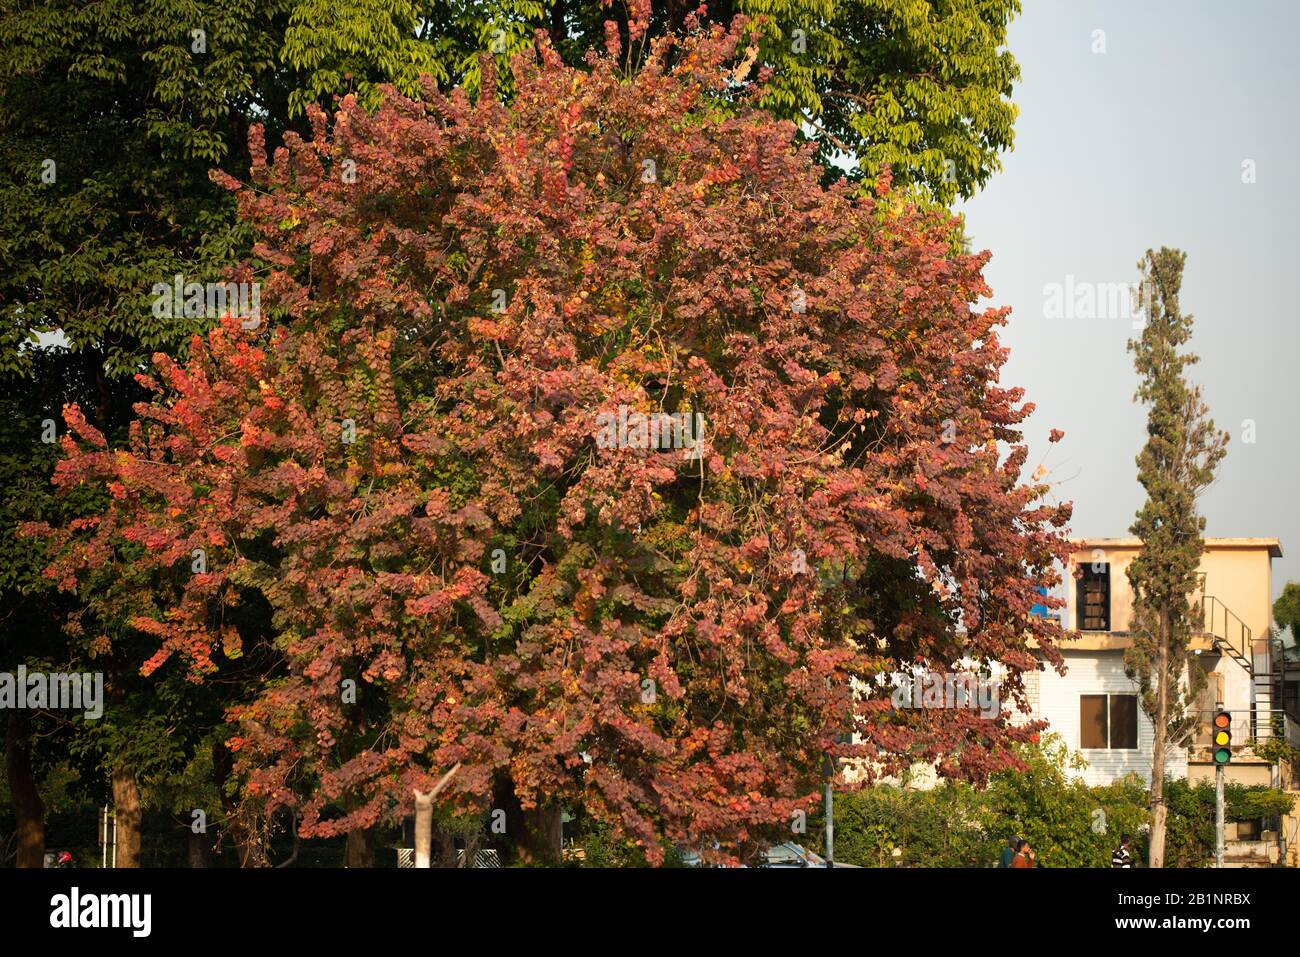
(1177, 463)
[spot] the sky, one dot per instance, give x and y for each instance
(1148, 144)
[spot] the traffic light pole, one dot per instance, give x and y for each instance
(1218, 815)
(1218, 805)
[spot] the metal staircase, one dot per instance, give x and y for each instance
(1232, 637)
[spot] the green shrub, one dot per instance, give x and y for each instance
(893, 827)
(956, 825)
(1068, 823)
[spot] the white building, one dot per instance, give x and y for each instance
(1094, 706)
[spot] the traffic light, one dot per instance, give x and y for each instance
(1222, 737)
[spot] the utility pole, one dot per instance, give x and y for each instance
(828, 802)
(830, 812)
(108, 838)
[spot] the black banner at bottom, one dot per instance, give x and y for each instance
(666, 908)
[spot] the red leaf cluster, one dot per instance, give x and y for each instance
(449, 325)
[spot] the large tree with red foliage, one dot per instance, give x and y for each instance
(459, 296)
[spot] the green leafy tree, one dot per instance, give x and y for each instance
(617, 299)
(1286, 610)
(958, 825)
(1177, 463)
(922, 87)
(1066, 822)
(113, 116)
(31, 404)
(1190, 824)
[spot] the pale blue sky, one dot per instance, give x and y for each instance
(1137, 147)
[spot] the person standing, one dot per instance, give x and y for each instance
(1121, 857)
(1008, 852)
(1024, 856)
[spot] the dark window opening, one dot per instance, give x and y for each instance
(1124, 721)
(1108, 721)
(1093, 726)
(1094, 597)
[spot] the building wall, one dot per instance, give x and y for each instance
(1241, 579)
(1033, 681)
(1236, 687)
(1121, 595)
(1238, 576)
(1099, 672)
(1235, 773)
(1237, 572)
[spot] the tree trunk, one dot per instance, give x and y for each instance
(534, 832)
(423, 828)
(126, 811)
(447, 857)
(29, 809)
(1156, 851)
(297, 841)
(542, 835)
(250, 848)
(197, 852)
(471, 851)
(424, 818)
(248, 845)
(360, 851)
(1158, 814)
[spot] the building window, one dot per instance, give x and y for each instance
(1108, 721)
(1094, 597)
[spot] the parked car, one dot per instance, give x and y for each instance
(791, 854)
(788, 854)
